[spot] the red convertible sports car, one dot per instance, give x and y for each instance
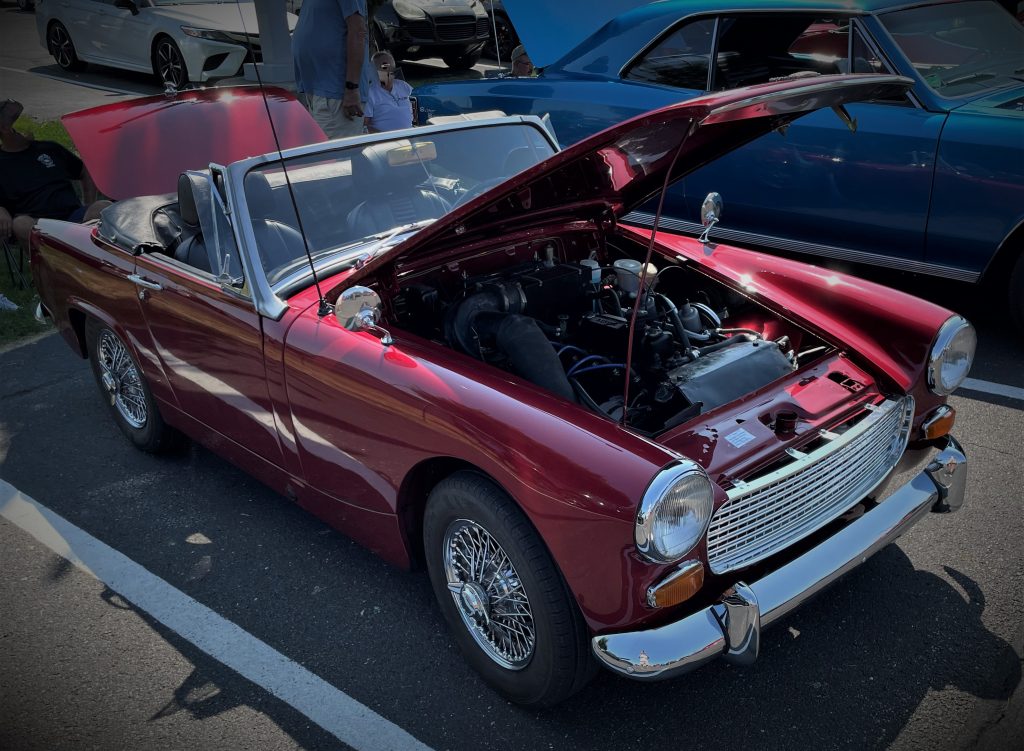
(607, 447)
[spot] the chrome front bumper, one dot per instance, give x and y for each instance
(732, 627)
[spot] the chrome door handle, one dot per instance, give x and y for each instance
(143, 282)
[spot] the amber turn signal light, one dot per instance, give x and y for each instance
(939, 423)
(677, 587)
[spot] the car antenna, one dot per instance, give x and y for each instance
(324, 308)
(642, 289)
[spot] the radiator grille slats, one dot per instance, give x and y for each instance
(773, 512)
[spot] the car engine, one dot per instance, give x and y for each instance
(565, 326)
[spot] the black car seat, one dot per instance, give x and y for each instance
(278, 243)
(190, 247)
(393, 195)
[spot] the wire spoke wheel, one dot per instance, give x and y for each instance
(121, 380)
(489, 594)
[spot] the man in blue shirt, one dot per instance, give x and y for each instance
(328, 47)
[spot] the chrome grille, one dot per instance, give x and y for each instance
(772, 512)
(456, 29)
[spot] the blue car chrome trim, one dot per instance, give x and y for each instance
(737, 237)
(732, 627)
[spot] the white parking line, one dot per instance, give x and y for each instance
(333, 710)
(999, 389)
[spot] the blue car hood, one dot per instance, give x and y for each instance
(550, 30)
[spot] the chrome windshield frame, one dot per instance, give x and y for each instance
(266, 297)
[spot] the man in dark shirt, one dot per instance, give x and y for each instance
(35, 181)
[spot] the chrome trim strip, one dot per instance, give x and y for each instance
(676, 648)
(736, 237)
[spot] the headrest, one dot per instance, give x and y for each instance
(259, 196)
(193, 188)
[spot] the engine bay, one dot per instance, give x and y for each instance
(557, 312)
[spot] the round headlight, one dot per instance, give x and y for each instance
(674, 513)
(951, 356)
(408, 10)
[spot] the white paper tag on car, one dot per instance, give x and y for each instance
(739, 438)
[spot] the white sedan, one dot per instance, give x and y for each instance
(177, 40)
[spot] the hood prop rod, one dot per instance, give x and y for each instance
(642, 289)
(324, 308)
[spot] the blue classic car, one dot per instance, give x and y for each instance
(931, 182)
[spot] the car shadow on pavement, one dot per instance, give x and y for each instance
(849, 669)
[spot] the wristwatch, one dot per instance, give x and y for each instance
(351, 86)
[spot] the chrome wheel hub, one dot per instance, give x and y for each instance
(121, 379)
(475, 601)
(489, 594)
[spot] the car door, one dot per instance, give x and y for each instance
(819, 187)
(124, 36)
(80, 16)
(209, 340)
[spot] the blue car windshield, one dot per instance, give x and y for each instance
(960, 49)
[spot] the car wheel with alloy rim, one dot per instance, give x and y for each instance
(501, 594)
(126, 392)
(59, 44)
(168, 63)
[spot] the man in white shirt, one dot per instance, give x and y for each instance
(387, 105)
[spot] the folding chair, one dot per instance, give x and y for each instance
(15, 264)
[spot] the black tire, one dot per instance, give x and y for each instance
(168, 63)
(551, 660)
(505, 41)
(59, 44)
(1015, 297)
(126, 392)
(462, 62)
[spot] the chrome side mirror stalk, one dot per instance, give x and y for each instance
(359, 309)
(710, 214)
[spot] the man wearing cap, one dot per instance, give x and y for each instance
(36, 181)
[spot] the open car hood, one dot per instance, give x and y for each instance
(616, 170)
(139, 147)
(550, 30)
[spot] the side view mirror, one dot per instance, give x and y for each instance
(359, 309)
(710, 214)
(128, 5)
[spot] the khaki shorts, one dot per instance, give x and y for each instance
(329, 116)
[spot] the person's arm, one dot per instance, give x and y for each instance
(354, 53)
(6, 223)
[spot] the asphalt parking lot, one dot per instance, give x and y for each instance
(225, 617)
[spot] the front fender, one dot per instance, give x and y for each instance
(887, 331)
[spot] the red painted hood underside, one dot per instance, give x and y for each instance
(139, 147)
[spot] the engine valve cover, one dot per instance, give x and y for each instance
(729, 373)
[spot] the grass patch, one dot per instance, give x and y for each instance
(18, 324)
(49, 130)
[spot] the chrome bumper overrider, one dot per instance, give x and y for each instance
(732, 627)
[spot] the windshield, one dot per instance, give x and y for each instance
(355, 196)
(960, 48)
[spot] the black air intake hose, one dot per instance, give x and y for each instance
(532, 356)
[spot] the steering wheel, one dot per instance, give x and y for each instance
(477, 190)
